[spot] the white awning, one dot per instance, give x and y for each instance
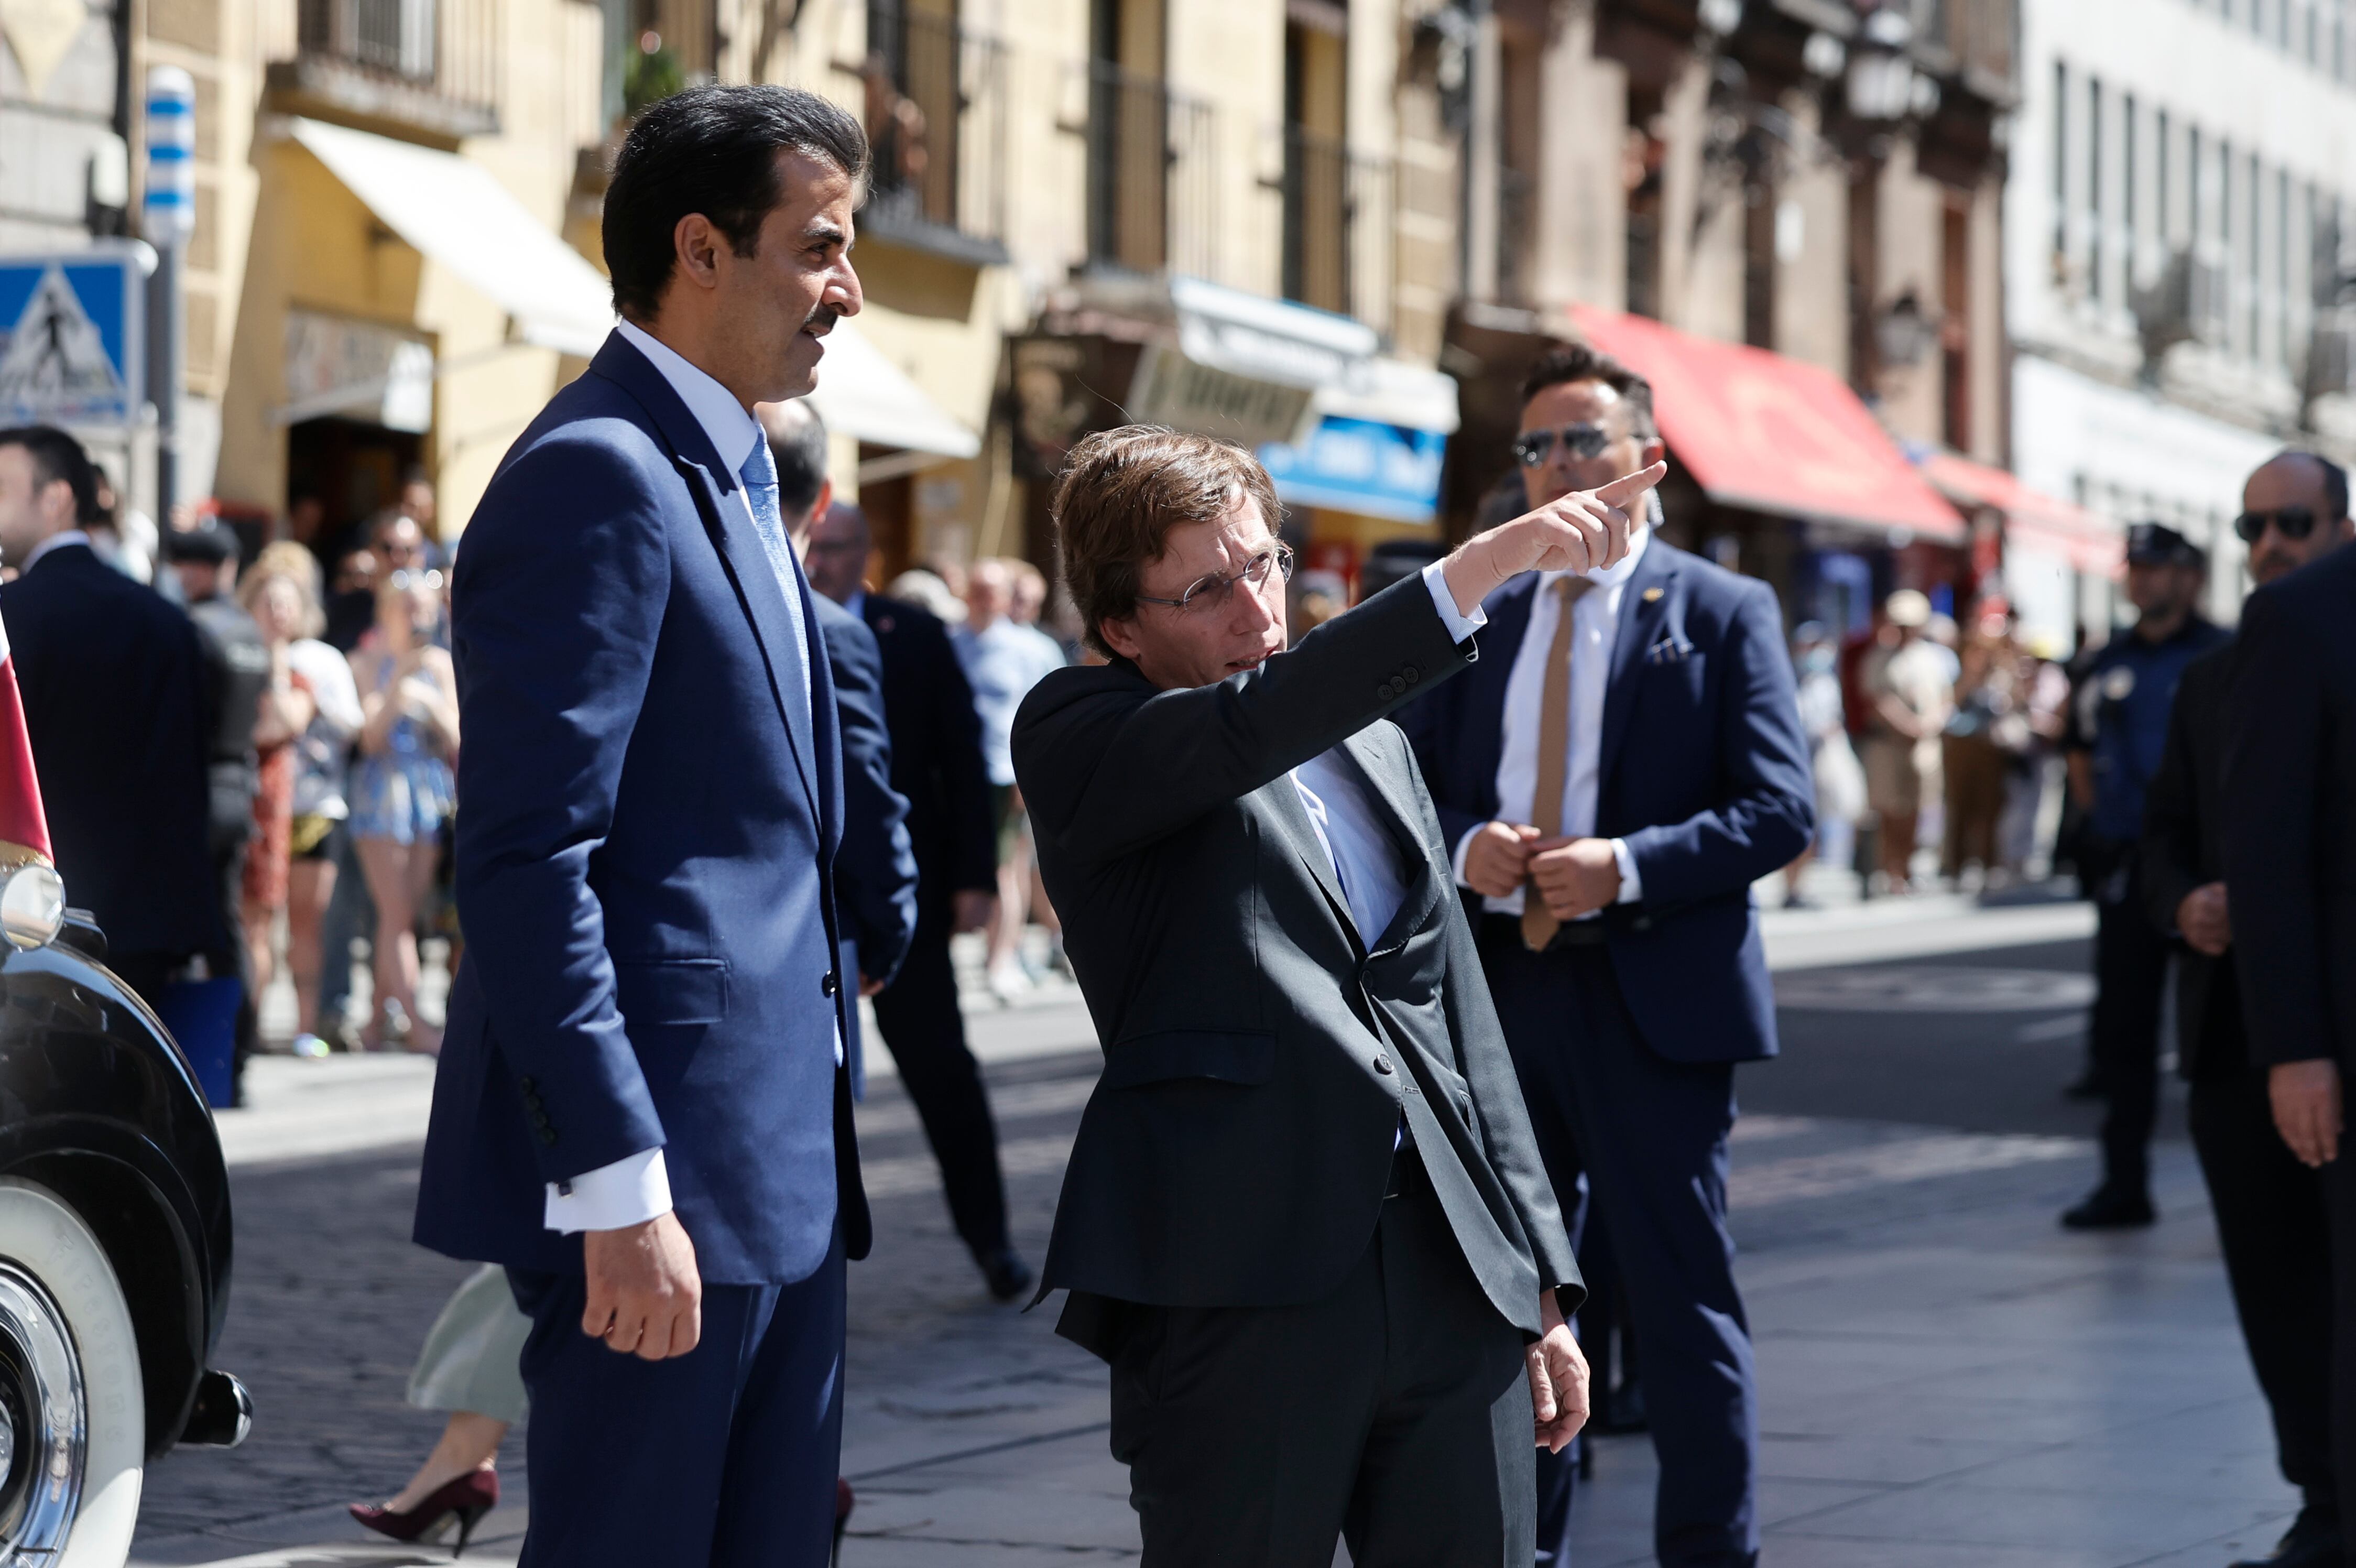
(453, 212)
(456, 213)
(1392, 392)
(861, 394)
(1265, 339)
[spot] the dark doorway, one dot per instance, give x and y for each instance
(354, 468)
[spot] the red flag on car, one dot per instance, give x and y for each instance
(22, 825)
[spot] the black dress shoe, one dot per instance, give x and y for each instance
(2313, 1540)
(2110, 1209)
(1007, 1274)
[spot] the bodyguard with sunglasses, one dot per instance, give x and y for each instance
(2118, 727)
(2273, 1215)
(1623, 763)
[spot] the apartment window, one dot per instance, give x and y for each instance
(2094, 189)
(2285, 242)
(2060, 161)
(2159, 191)
(2128, 172)
(1316, 161)
(2257, 256)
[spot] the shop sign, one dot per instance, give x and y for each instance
(1361, 466)
(357, 370)
(72, 347)
(1183, 393)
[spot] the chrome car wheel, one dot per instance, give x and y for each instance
(44, 1422)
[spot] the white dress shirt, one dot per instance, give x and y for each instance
(57, 540)
(1594, 628)
(635, 1189)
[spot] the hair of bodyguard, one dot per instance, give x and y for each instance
(57, 456)
(711, 150)
(1122, 493)
(1578, 363)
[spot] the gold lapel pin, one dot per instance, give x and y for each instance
(1653, 596)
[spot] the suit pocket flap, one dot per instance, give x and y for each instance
(653, 993)
(1230, 1057)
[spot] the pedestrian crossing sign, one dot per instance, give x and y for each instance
(72, 348)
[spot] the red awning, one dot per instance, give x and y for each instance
(1767, 434)
(2032, 519)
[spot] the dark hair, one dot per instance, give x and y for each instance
(1122, 493)
(1578, 363)
(711, 150)
(800, 452)
(2335, 478)
(58, 456)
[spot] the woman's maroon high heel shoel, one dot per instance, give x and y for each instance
(465, 1501)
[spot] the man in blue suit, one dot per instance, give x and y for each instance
(1625, 760)
(642, 1109)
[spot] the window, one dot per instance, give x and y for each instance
(2060, 161)
(2284, 243)
(2225, 278)
(2093, 189)
(2159, 191)
(2132, 242)
(2257, 256)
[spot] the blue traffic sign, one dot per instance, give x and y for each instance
(72, 336)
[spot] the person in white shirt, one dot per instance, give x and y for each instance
(1623, 763)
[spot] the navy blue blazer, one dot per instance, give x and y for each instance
(114, 685)
(935, 754)
(875, 870)
(647, 818)
(1704, 774)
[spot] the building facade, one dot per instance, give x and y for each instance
(2181, 278)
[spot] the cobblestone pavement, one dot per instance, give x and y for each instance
(1947, 1379)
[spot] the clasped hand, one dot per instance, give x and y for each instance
(1575, 877)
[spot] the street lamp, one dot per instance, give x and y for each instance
(1881, 77)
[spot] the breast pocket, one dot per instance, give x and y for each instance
(1172, 1055)
(672, 992)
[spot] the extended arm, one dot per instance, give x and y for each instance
(1769, 811)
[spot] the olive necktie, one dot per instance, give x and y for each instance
(1538, 924)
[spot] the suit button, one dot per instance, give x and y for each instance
(830, 984)
(1383, 1065)
(547, 1135)
(1412, 675)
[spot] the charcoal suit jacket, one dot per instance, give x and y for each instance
(2290, 836)
(2183, 849)
(1260, 1055)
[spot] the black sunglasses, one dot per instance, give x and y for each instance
(1584, 440)
(2290, 522)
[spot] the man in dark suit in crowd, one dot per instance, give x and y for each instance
(2290, 877)
(1305, 1217)
(2271, 1221)
(1624, 762)
(237, 674)
(643, 1106)
(936, 763)
(875, 871)
(113, 691)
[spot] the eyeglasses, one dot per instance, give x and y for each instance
(2290, 522)
(1214, 592)
(1586, 439)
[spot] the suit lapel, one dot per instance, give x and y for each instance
(713, 485)
(1378, 771)
(1644, 608)
(1291, 817)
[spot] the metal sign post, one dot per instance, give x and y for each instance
(167, 216)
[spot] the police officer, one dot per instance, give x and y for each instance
(237, 674)
(2118, 732)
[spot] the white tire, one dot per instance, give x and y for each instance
(67, 1343)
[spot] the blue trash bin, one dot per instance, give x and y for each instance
(202, 1016)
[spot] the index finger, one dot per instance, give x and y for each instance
(1628, 487)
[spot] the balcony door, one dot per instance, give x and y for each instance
(1129, 136)
(1316, 157)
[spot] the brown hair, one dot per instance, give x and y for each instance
(1579, 362)
(1122, 493)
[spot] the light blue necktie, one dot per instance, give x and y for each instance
(760, 476)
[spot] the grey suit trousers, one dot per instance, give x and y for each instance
(1394, 1413)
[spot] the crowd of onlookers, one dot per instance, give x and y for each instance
(1927, 735)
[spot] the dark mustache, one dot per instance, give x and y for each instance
(822, 319)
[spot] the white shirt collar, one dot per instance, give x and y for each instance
(57, 541)
(734, 433)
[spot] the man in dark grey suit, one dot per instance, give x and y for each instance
(1305, 1219)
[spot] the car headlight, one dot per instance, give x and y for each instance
(32, 906)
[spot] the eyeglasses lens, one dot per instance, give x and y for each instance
(1586, 440)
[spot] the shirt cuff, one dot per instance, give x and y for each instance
(1460, 625)
(628, 1192)
(1463, 851)
(1632, 887)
